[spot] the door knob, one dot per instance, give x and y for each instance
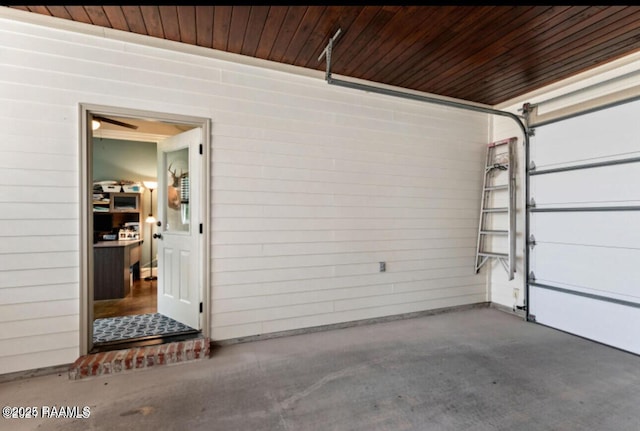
(157, 235)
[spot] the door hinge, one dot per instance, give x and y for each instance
(201, 149)
(201, 228)
(201, 307)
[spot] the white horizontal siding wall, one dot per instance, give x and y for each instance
(312, 186)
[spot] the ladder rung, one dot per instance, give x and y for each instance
(495, 210)
(494, 232)
(487, 254)
(500, 187)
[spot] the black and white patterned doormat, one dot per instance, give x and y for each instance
(141, 326)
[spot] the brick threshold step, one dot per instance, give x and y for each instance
(136, 358)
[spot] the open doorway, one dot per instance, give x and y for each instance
(144, 205)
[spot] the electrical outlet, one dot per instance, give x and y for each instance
(516, 292)
(383, 266)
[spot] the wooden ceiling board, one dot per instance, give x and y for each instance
(489, 45)
(169, 21)
(269, 32)
(532, 48)
(533, 52)
(371, 36)
(59, 11)
(349, 36)
(576, 56)
(431, 44)
(40, 9)
(312, 16)
(430, 63)
(463, 43)
(134, 18)
(493, 57)
(97, 15)
(187, 24)
(402, 56)
(292, 20)
(484, 54)
(369, 43)
(115, 15)
(375, 56)
(221, 25)
(78, 13)
(152, 21)
(204, 26)
(238, 29)
(257, 19)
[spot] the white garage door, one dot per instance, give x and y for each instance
(585, 264)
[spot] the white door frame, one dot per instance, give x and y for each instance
(86, 111)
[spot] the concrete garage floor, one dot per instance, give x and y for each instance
(479, 369)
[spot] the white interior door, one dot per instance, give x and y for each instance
(178, 235)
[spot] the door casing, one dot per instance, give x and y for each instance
(86, 111)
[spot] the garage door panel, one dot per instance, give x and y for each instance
(619, 229)
(586, 225)
(610, 185)
(614, 131)
(607, 322)
(599, 270)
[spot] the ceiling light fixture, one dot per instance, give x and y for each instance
(95, 124)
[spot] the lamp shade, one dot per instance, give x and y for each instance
(151, 185)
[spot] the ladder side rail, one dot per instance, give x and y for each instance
(512, 209)
(483, 203)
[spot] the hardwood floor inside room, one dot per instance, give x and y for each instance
(141, 300)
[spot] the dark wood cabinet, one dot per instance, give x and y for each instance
(115, 264)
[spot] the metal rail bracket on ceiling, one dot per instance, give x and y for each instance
(327, 52)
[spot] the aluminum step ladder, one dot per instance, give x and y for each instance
(499, 182)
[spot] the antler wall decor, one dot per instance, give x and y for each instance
(173, 190)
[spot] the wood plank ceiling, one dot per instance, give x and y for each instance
(485, 54)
